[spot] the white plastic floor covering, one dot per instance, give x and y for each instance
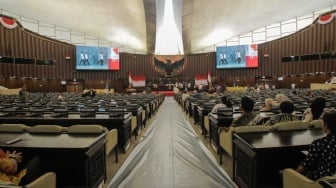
(170, 155)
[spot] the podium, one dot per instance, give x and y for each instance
(75, 86)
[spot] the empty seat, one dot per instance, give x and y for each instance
(134, 125)
(111, 135)
(225, 136)
(85, 129)
(46, 180)
(206, 122)
(47, 129)
(291, 178)
(7, 127)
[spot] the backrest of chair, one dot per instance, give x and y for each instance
(291, 125)
(253, 128)
(90, 128)
(8, 127)
(111, 140)
(317, 123)
(206, 122)
(292, 178)
(46, 129)
(143, 115)
(46, 180)
(133, 123)
(225, 138)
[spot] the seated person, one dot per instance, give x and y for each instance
(90, 93)
(176, 90)
(185, 96)
(279, 98)
(315, 110)
(267, 106)
(286, 108)
(13, 174)
(310, 94)
(259, 120)
(332, 80)
(246, 105)
(321, 160)
(219, 105)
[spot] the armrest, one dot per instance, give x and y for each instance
(111, 140)
(292, 178)
(46, 180)
(133, 123)
(225, 140)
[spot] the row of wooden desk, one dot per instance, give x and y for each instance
(77, 159)
(258, 158)
(122, 123)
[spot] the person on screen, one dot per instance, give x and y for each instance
(222, 57)
(321, 158)
(82, 59)
(238, 56)
(101, 58)
(86, 59)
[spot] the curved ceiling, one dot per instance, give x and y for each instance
(131, 23)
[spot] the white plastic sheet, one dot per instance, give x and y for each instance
(170, 155)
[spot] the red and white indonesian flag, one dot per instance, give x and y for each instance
(9, 23)
(201, 79)
(326, 18)
(209, 77)
(130, 80)
(113, 59)
(139, 81)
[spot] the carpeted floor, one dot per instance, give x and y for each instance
(175, 157)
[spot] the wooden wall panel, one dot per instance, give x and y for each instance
(317, 38)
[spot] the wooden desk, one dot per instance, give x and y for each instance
(123, 124)
(77, 159)
(259, 157)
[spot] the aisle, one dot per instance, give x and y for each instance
(170, 155)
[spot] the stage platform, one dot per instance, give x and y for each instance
(166, 93)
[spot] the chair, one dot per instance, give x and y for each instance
(7, 127)
(317, 123)
(225, 137)
(55, 129)
(291, 125)
(143, 117)
(134, 125)
(85, 129)
(206, 122)
(291, 178)
(46, 180)
(111, 135)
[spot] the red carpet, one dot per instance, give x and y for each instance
(166, 93)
